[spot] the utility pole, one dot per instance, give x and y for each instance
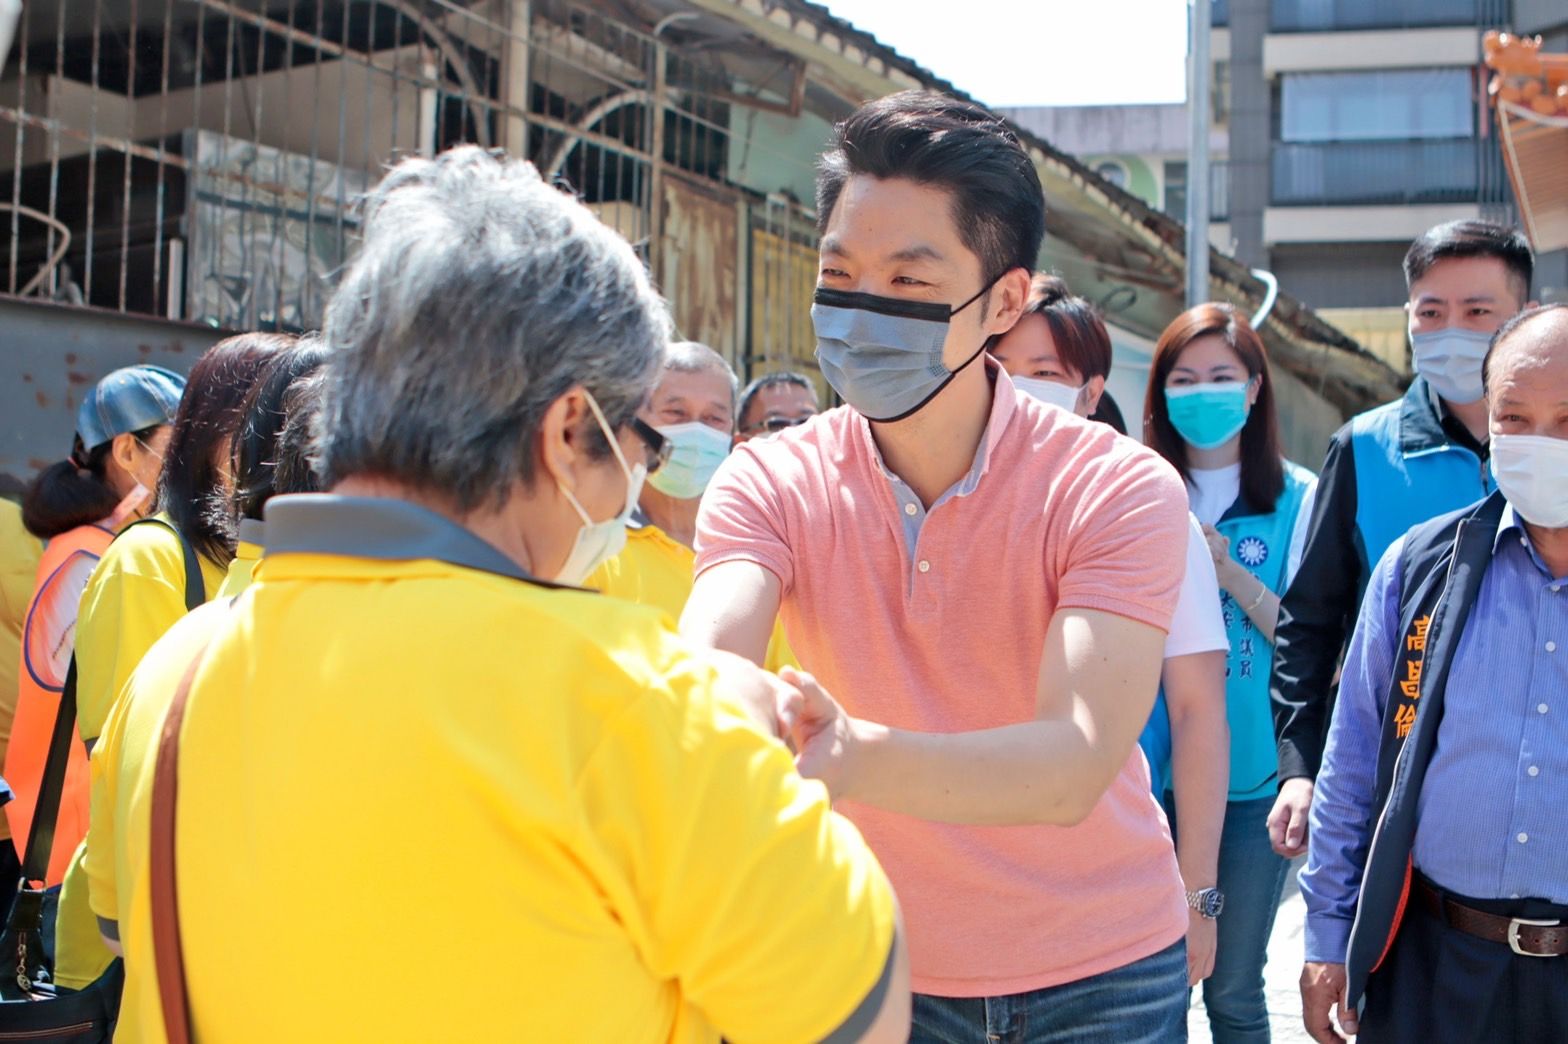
(1199, 71)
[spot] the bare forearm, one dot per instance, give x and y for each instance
(1259, 603)
(1029, 773)
(1200, 778)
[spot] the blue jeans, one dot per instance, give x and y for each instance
(1252, 878)
(1142, 1003)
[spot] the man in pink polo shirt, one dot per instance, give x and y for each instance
(984, 582)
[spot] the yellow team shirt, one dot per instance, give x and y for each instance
(137, 592)
(19, 554)
(657, 570)
(608, 848)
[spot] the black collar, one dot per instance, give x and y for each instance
(383, 529)
(1424, 427)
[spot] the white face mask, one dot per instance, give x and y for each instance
(598, 542)
(1053, 393)
(1532, 472)
(1450, 360)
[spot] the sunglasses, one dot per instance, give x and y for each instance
(774, 425)
(659, 447)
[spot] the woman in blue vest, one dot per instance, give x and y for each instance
(1210, 411)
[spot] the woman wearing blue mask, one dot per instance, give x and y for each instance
(1210, 412)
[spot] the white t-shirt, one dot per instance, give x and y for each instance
(1213, 490)
(1198, 625)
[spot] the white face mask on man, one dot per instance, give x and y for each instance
(1532, 472)
(598, 542)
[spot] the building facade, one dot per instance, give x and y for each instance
(171, 170)
(1343, 129)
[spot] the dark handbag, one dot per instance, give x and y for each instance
(30, 1006)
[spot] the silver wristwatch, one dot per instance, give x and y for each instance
(1208, 902)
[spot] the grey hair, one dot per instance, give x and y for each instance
(695, 357)
(479, 297)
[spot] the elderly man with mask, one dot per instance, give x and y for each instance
(693, 409)
(413, 718)
(1436, 883)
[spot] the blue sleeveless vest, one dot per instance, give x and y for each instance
(1260, 541)
(1407, 471)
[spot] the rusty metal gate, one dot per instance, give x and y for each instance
(198, 161)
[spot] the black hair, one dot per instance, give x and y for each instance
(1082, 342)
(1473, 239)
(191, 492)
(771, 380)
(1508, 330)
(73, 492)
(267, 414)
(1107, 412)
(933, 139)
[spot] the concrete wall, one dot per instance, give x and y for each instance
(1379, 49)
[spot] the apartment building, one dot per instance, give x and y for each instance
(1343, 128)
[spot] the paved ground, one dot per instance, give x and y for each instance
(1281, 973)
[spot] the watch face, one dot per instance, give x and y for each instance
(1213, 902)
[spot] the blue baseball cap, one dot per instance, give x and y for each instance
(129, 399)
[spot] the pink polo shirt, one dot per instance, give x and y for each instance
(946, 636)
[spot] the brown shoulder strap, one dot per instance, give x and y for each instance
(169, 960)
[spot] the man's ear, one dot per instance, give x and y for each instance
(1009, 296)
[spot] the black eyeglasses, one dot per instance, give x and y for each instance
(659, 447)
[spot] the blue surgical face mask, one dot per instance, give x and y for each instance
(697, 452)
(1450, 360)
(883, 355)
(1208, 415)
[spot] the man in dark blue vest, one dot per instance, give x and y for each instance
(1387, 470)
(1437, 880)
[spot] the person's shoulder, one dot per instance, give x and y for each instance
(149, 547)
(825, 434)
(1377, 419)
(158, 675)
(1298, 476)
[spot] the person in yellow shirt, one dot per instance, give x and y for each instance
(19, 555)
(153, 573)
(693, 408)
(495, 805)
(270, 451)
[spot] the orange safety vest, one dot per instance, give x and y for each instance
(48, 639)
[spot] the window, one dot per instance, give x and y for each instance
(1381, 105)
(1113, 172)
(1176, 189)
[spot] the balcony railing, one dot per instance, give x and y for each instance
(1321, 16)
(1399, 173)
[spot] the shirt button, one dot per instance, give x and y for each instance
(1540, 708)
(1514, 896)
(1556, 588)
(910, 509)
(1522, 838)
(1534, 770)
(925, 567)
(1551, 646)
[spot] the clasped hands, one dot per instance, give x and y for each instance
(792, 707)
